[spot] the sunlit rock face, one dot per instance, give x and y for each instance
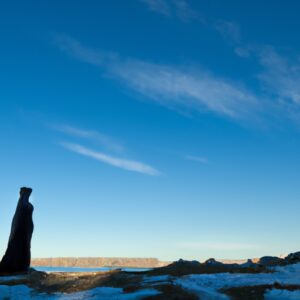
(17, 256)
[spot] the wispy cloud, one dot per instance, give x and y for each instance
(121, 163)
(242, 51)
(75, 49)
(198, 159)
(104, 140)
(231, 34)
(187, 90)
(176, 8)
(224, 246)
(171, 86)
(184, 11)
(280, 75)
(229, 30)
(159, 6)
(107, 142)
(279, 79)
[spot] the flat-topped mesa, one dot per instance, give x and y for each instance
(17, 256)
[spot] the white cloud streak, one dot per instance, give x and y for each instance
(75, 49)
(189, 91)
(170, 85)
(242, 52)
(159, 6)
(169, 8)
(198, 159)
(129, 165)
(229, 30)
(186, 90)
(184, 11)
(280, 75)
(104, 140)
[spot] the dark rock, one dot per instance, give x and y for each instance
(248, 264)
(178, 268)
(270, 261)
(292, 258)
(212, 262)
(211, 266)
(17, 256)
(182, 262)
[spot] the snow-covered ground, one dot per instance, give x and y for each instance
(207, 286)
(282, 295)
(22, 292)
(9, 278)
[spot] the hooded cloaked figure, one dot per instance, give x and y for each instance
(17, 256)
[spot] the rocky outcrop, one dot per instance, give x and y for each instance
(211, 266)
(270, 261)
(248, 264)
(212, 262)
(274, 261)
(293, 258)
(17, 256)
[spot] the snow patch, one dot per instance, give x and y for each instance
(22, 292)
(161, 278)
(13, 277)
(275, 294)
(207, 285)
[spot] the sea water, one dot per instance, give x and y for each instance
(77, 269)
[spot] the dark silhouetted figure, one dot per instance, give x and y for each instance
(17, 255)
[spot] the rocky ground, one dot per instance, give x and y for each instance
(269, 278)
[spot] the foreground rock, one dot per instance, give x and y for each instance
(17, 255)
(274, 261)
(292, 258)
(282, 281)
(258, 292)
(211, 266)
(271, 261)
(70, 285)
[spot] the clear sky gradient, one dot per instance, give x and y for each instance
(152, 128)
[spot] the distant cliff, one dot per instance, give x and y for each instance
(95, 262)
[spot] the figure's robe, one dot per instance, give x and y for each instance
(17, 256)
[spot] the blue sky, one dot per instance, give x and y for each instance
(152, 128)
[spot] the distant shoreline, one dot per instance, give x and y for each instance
(98, 262)
(122, 262)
